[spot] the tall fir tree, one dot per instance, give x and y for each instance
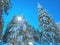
(49, 31)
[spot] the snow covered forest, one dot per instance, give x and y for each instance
(20, 32)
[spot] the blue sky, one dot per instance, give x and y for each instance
(28, 8)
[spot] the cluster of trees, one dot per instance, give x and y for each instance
(20, 32)
(49, 33)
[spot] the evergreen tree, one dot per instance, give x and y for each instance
(4, 6)
(49, 29)
(19, 31)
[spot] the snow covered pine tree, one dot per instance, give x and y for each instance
(19, 32)
(4, 7)
(49, 33)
